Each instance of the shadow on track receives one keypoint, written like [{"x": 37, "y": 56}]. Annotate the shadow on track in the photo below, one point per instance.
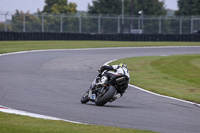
[{"x": 108, "y": 106}]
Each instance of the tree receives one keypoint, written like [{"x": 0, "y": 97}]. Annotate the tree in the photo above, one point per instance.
[
  {"x": 149, "y": 7},
  {"x": 59, "y": 6},
  {"x": 188, "y": 7},
  {"x": 31, "y": 22},
  {"x": 2, "y": 26},
  {"x": 106, "y": 7}
]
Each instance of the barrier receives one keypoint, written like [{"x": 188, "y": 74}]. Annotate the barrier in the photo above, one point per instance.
[{"x": 14, "y": 36}]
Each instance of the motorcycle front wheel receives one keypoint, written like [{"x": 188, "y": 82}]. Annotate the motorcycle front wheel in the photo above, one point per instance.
[
  {"x": 103, "y": 99},
  {"x": 85, "y": 98}
]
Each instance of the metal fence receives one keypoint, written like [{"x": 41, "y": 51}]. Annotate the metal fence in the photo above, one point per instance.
[{"x": 99, "y": 24}]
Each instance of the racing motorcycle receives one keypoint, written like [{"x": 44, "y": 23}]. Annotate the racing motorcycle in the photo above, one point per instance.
[{"x": 100, "y": 95}]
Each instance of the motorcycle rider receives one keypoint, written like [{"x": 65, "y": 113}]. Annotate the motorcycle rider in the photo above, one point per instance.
[{"x": 113, "y": 70}]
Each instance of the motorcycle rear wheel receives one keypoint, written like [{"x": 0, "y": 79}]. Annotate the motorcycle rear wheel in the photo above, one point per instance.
[{"x": 100, "y": 101}]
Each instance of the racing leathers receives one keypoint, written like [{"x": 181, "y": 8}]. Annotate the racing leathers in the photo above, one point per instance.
[{"x": 109, "y": 70}]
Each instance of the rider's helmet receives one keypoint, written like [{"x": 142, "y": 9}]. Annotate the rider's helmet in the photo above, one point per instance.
[{"x": 123, "y": 65}]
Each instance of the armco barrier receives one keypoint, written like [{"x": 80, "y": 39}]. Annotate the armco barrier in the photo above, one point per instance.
[{"x": 14, "y": 36}]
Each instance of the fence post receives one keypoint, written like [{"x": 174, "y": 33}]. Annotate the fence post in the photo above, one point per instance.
[
  {"x": 119, "y": 23},
  {"x": 24, "y": 23},
  {"x": 61, "y": 23},
  {"x": 191, "y": 24},
  {"x": 80, "y": 24},
  {"x": 99, "y": 24},
  {"x": 160, "y": 25},
  {"x": 142, "y": 23},
  {"x": 6, "y": 21},
  {"x": 181, "y": 24},
  {"x": 123, "y": 15},
  {"x": 138, "y": 22},
  {"x": 42, "y": 22}
]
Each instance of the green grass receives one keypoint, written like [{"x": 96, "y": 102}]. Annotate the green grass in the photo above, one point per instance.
[
  {"x": 10, "y": 123},
  {"x": 13, "y": 46},
  {"x": 177, "y": 76}
]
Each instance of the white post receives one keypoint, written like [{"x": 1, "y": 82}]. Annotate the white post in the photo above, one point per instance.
[
  {"x": 122, "y": 12},
  {"x": 119, "y": 23},
  {"x": 142, "y": 23},
  {"x": 181, "y": 24},
  {"x": 6, "y": 21},
  {"x": 43, "y": 23},
  {"x": 141, "y": 18},
  {"x": 139, "y": 23},
  {"x": 61, "y": 23},
  {"x": 24, "y": 23},
  {"x": 160, "y": 25},
  {"x": 80, "y": 24},
  {"x": 99, "y": 24},
  {"x": 122, "y": 16},
  {"x": 192, "y": 28}
]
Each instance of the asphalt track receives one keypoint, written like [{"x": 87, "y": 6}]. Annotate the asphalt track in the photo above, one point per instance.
[{"x": 52, "y": 83}]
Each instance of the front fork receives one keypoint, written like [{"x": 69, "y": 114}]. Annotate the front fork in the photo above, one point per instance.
[{"x": 92, "y": 92}]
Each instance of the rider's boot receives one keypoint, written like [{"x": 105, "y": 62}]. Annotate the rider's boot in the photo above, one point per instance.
[{"x": 117, "y": 95}]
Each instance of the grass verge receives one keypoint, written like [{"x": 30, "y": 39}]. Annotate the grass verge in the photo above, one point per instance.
[
  {"x": 176, "y": 76},
  {"x": 10, "y": 123},
  {"x": 13, "y": 46}
]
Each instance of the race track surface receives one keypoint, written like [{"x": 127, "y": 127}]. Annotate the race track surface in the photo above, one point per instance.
[{"x": 52, "y": 83}]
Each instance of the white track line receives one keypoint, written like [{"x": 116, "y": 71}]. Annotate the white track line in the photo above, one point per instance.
[
  {"x": 49, "y": 50},
  {"x": 24, "y": 113}
]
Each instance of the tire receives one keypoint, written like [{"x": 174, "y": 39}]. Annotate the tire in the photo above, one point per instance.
[
  {"x": 106, "y": 97},
  {"x": 85, "y": 98}
]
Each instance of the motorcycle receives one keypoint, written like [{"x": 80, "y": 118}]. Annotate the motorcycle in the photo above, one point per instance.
[{"x": 100, "y": 95}]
